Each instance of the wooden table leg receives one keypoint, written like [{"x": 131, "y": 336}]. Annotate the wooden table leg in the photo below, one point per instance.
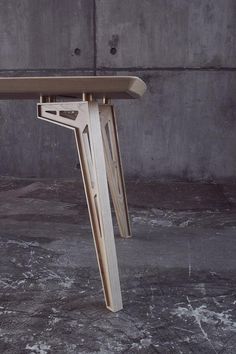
[
  {"x": 85, "y": 121},
  {"x": 114, "y": 168}
]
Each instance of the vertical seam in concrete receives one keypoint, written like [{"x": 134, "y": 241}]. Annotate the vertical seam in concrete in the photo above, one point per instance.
[{"x": 94, "y": 38}]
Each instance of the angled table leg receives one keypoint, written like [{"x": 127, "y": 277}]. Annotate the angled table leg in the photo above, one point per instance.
[
  {"x": 83, "y": 118},
  {"x": 114, "y": 168}
]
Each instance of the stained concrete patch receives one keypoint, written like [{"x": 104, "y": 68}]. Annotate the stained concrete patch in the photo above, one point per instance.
[
  {"x": 165, "y": 33},
  {"x": 178, "y": 196},
  {"x": 178, "y": 272}
]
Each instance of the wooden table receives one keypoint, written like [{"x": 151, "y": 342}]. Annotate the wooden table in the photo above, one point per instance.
[{"x": 95, "y": 129}]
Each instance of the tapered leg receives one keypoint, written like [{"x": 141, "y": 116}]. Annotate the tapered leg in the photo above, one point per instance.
[
  {"x": 84, "y": 118},
  {"x": 114, "y": 168},
  {"x": 91, "y": 152}
]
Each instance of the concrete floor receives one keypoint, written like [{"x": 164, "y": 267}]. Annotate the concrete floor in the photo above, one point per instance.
[{"x": 178, "y": 272}]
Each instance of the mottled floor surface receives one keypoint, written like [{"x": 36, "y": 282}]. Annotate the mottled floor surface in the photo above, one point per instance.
[{"x": 178, "y": 273}]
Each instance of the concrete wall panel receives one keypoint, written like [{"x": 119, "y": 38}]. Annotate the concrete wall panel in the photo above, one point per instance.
[
  {"x": 31, "y": 147},
  {"x": 166, "y": 33},
  {"x": 184, "y": 127},
  {"x": 46, "y": 34}
]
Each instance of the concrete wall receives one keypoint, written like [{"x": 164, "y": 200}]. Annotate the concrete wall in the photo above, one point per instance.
[{"x": 185, "y": 50}]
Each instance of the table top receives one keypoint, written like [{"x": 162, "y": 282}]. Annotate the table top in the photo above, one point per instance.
[{"x": 72, "y": 86}]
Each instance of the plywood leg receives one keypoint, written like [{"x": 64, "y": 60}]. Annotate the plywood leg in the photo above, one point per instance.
[
  {"x": 92, "y": 160},
  {"x": 114, "y": 168},
  {"x": 84, "y": 119}
]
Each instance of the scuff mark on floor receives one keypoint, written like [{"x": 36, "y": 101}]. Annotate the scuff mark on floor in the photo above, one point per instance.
[
  {"x": 38, "y": 348},
  {"x": 203, "y": 316}
]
